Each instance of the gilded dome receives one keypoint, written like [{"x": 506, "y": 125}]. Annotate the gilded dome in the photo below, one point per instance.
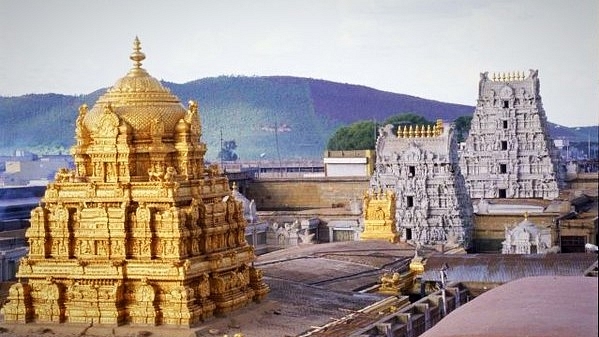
[{"x": 139, "y": 99}]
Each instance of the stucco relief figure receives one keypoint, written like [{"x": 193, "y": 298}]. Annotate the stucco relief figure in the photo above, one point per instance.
[
  {"x": 379, "y": 214},
  {"x": 157, "y": 128},
  {"x": 109, "y": 122},
  {"x": 143, "y": 216},
  {"x": 145, "y": 293},
  {"x": 218, "y": 284},
  {"x": 192, "y": 118},
  {"x": 79, "y": 127},
  {"x": 36, "y": 247},
  {"x": 490, "y": 97},
  {"x": 118, "y": 248},
  {"x": 64, "y": 175},
  {"x": 85, "y": 247},
  {"x": 170, "y": 174},
  {"x": 520, "y": 95},
  {"x": 156, "y": 173},
  {"x": 204, "y": 286}
]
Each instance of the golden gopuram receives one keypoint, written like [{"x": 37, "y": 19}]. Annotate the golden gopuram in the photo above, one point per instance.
[{"x": 141, "y": 232}]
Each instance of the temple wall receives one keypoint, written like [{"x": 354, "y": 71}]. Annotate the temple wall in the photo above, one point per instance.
[
  {"x": 584, "y": 181},
  {"x": 271, "y": 194},
  {"x": 489, "y": 229}
]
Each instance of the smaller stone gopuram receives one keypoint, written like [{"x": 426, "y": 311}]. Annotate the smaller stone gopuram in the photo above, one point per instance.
[
  {"x": 142, "y": 231},
  {"x": 508, "y": 152},
  {"x": 418, "y": 168}
]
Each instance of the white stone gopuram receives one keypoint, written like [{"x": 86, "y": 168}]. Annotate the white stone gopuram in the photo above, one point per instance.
[
  {"x": 420, "y": 164},
  {"x": 508, "y": 153}
]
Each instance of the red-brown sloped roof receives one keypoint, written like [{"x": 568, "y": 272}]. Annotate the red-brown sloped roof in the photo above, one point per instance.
[{"x": 544, "y": 306}]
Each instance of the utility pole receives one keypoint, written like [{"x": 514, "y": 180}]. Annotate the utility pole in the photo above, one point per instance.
[
  {"x": 443, "y": 279},
  {"x": 374, "y": 130},
  {"x": 277, "y": 144},
  {"x": 220, "y": 154}
]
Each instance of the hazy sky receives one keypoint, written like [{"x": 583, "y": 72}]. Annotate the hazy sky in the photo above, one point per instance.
[{"x": 433, "y": 49}]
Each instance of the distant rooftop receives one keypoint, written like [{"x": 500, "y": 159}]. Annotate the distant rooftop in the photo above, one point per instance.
[{"x": 544, "y": 306}]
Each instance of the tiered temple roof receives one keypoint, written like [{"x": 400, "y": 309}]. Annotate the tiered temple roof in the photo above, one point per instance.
[
  {"x": 417, "y": 172},
  {"x": 508, "y": 153},
  {"x": 141, "y": 232}
]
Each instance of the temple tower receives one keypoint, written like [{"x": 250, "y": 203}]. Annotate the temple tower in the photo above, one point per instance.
[
  {"x": 141, "y": 232},
  {"x": 417, "y": 167},
  {"x": 508, "y": 153}
]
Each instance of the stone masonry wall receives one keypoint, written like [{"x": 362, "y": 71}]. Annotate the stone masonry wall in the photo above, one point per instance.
[{"x": 274, "y": 194}]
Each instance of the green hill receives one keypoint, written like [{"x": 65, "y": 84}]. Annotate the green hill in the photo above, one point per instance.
[{"x": 245, "y": 109}]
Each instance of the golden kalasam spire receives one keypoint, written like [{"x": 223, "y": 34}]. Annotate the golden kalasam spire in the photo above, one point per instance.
[{"x": 137, "y": 56}]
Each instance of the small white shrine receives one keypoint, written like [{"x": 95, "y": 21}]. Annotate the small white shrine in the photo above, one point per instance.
[{"x": 527, "y": 238}]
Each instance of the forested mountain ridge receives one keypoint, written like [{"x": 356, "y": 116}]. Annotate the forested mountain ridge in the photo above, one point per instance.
[{"x": 304, "y": 112}]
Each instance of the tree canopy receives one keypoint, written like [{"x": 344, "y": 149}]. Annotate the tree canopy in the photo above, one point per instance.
[
  {"x": 362, "y": 135},
  {"x": 462, "y": 127},
  {"x": 356, "y": 136}
]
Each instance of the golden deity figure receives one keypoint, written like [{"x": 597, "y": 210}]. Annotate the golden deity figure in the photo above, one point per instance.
[{"x": 141, "y": 232}]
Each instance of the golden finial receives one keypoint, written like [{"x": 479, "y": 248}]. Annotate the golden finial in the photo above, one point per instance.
[
  {"x": 137, "y": 56},
  {"x": 429, "y": 131},
  {"x": 193, "y": 106},
  {"x": 525, "y": 215},
  {"x": 439, "y": 127},
  {"x": 411, "y": 131},
  {"x": 399, "y": 131}
]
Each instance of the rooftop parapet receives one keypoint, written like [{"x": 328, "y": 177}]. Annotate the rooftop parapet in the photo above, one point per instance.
[
  {"x": 508, "y": 76},
  {"x": 421, "y": 131}
]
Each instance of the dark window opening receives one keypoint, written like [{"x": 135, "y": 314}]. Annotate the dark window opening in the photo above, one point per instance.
[
  {"x": 502, "y": 193},
  {"x": 412, "y": 170},
  {"x": 410, "y": 201},
  {"x": 502, "y": 168},
  {"x": 506, "y": 104},
  {"x": 573, "y": 244},
  {"x": 505, "y": 124},
  {"x": 408, "y": 233},
  {"x": 504, "y": 145}
]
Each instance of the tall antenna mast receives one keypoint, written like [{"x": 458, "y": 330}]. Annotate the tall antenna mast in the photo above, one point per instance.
[{"x": 277, "y": 144}]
